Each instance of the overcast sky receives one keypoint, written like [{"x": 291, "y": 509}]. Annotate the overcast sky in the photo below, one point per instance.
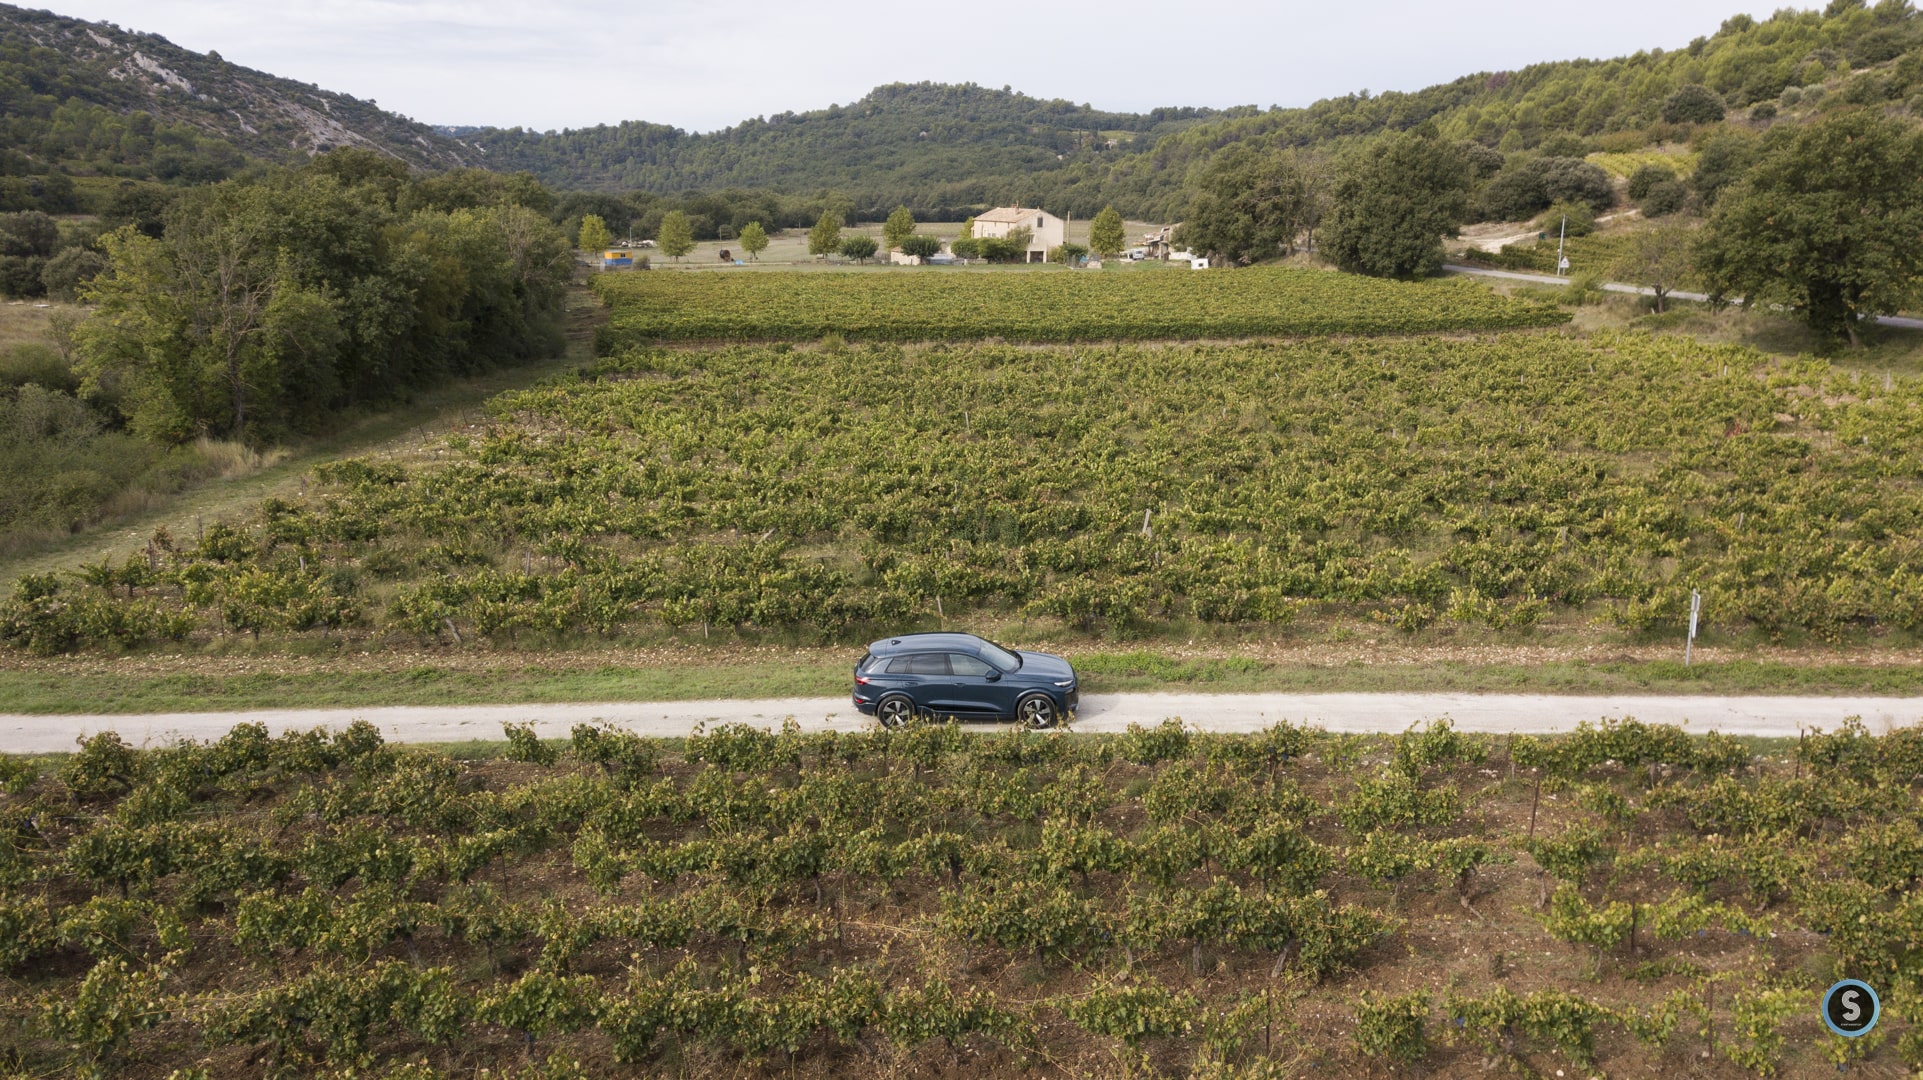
[{"x": 705, "y": 64}]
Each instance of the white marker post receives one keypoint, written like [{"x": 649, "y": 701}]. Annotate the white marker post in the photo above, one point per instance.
[
  {"x": 1562, "y": 263},
  {"x": 1695, "y": 609}
]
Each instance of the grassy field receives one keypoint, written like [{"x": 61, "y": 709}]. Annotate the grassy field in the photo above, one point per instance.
[{"x": 1622, "y": 901}]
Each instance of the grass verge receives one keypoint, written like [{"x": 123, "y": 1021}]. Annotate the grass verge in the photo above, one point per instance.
[{"x": 51, "y": 692}]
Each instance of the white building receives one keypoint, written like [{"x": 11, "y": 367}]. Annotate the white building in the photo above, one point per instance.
[{"x": 1046, "y": 231}]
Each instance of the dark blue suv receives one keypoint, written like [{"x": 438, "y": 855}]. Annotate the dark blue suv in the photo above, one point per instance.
[{"x": 962, "y": 676}]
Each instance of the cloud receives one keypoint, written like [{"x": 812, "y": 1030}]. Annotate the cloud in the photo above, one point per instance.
[{"x": 704, "y": 65}]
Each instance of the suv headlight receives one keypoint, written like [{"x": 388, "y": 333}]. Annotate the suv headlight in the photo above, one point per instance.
[{"x": 1065, "y": 683}]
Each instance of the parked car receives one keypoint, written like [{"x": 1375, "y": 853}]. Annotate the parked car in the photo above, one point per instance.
[{"x": 965, "y": 677}]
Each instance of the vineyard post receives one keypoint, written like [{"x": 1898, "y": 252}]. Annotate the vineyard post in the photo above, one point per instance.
[
  {"x": 1535, "y": 801},
  {"x": 1695, "y": 609}
]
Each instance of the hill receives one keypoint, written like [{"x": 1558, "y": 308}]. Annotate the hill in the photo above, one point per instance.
[
  {"x": 90, "y": 99},
  {"x": 941, "y": 148},
  {"x": 933, "y": 146}
]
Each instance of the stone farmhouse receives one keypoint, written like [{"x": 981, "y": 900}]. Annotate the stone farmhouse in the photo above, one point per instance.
[{"x": 1048, "y": 232}]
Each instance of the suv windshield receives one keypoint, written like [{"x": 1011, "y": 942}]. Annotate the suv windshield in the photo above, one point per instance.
[{"x": 1006, "y": 659}]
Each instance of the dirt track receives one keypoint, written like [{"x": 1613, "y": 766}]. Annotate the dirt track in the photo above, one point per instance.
[{"x": 1498, "y": 713}]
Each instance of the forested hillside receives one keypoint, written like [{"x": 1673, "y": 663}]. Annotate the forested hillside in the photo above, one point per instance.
[
  {"x": 939, "y": 148},
  {"x": 943, "y": 148},
  {"x": 89, "y": 99}
]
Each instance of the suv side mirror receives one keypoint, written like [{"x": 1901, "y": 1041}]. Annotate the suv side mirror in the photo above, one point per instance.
[{"x": 993, "y": 675}]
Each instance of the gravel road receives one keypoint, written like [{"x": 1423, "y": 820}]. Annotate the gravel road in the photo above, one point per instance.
[
  {"x": 1495, "y": 713},
  {"x": 1902, "y": 321}
]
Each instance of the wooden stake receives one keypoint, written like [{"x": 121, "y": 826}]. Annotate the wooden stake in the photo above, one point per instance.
[{"x": 1535, "y": 801}]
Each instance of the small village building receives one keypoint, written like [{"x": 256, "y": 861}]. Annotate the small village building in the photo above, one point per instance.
[
  {"x": 617, "y": 259},
  {"x": 1046, "y": 231}
]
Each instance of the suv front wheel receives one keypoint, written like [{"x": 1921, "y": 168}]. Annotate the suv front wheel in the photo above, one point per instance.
[{"x": 1036, "y": 711}]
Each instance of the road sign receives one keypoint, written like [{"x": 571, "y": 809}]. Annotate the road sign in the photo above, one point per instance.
[{"x": 1851, "y": 1008}]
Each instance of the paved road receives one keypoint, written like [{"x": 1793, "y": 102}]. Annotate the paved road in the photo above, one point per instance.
[
  {"x": 1497, "y": 713},
  {"x": 1634, "y": 290}
]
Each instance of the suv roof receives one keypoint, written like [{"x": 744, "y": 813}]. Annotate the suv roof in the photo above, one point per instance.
[{"x": 918, "y": 642}]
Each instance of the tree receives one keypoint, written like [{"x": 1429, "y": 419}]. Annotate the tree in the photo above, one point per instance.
[
  {"x": 1657, "y": 259},
  {"x": 858, "y": 247},
  {"x": 1106, "y": 235},
  {"x": 1693, "y": 104},
  {"x": 1251, "y": 205},
  {"x": 922, "y": 247},
  {"x": 1721, "y": 161},
  {"x": 825, "y": 237},
  {"x": 1646, "y": 177},
  {"x": 265, "y": 304},
  {"x": 754, "y": 239},
  {"x": 676, "y": 236},
  {"x": 594, "y": 235},
  {"x": 899, "y": 227},
  {"x": 1394, "y": 201},
  {"x": 209, "y": 321},
  {"x": 1826, "y": 223}
]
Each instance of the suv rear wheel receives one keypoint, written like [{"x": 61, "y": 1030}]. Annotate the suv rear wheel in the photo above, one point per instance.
[{"x": 895, "y": 710}]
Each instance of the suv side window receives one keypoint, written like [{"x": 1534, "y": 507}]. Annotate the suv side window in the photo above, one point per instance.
[
  {"x": 919, "y": 664},
  {"x": 962, "y": 664}
]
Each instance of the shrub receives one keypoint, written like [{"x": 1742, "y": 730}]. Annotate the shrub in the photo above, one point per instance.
[
  {"x": 1067, "y": 253},
  {"x": 1577, "y": 218},
  {"x": 23, "y": 275},
  {"x": 65, "y": 273},
  {"x": 1539, "y": 183},
  {"x": 1694, "y": 104},
  {"x": 1648, "y": 176},
  {"x": 1395, "y": 1027},
  {"x": 1763, "y": 110},
  {"x": 37, "y": 364},
  {"x": 1665, "y": 198}
]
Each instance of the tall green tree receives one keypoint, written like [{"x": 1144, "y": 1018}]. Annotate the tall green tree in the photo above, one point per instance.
[
  {"x": 1106, "y": 234},
  {"x": 1829, "y": 223},
  {"x": 594, "y": 235},
  {"x": 264, "y": 305},
  {"x": 1250, "y": 205},
  {"x": 825, "y": 237},
  {"x": 1394, "y": 201},
  {"x": 754, "y": 239},
  {"x": 899, "y": 226},
  {"x": 207, "y": 329},
  {"x": 676, "y": 236}
]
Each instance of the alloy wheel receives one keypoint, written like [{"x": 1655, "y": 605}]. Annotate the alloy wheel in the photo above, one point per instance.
[
  {"x": 895, "y": 711},
  {"x": 1036, "y": 712}
]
